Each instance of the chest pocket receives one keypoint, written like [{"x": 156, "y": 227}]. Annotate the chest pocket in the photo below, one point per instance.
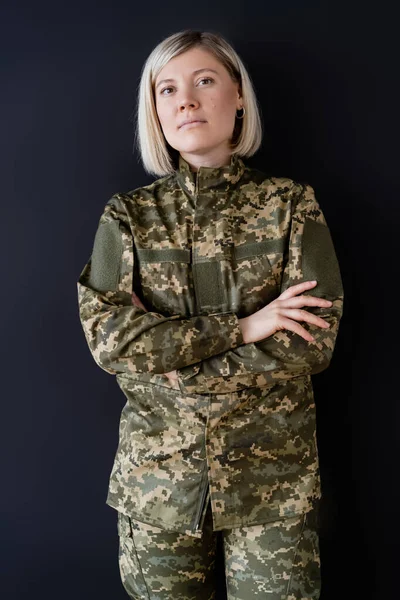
[
  {"x": 257, "y": 271},
  {"x": 241, "y": 281},
  {"x": 166, "y": 280},
  {"x": 214, "y": 285}
]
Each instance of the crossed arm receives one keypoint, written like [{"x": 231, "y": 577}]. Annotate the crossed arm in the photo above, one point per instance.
[{"x": 203, "y": 351}]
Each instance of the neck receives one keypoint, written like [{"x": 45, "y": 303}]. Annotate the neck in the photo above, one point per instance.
[{"x": 218, "y": 157}]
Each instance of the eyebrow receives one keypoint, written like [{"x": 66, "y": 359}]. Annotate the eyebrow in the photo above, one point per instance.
[{"x": 194, "y": 73}]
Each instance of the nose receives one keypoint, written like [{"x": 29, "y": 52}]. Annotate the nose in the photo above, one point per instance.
[
  {"x": 188, "y": 102},
  {"x": 186, "y": 105}
]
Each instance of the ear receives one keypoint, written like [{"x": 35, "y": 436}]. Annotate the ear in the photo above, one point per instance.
[{"x": 239, "y": 98}]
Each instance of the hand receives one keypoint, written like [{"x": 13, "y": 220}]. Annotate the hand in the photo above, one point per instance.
[{"x": 283, "y": 313}]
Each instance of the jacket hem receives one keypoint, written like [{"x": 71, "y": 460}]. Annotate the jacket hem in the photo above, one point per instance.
[
  {"x": 232, "y": 524},
  {"x": 238, "y": 522},
  {"x": 154, "y": 522}
]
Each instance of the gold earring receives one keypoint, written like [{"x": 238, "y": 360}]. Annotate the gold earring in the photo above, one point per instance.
[{"x": 243, "y": 113}]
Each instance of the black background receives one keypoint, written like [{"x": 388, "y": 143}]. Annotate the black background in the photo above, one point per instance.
[{"x": 325, "y": 74}]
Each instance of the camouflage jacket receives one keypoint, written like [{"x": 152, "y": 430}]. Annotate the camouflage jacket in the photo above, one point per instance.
[{"x": 174, "y": 265}]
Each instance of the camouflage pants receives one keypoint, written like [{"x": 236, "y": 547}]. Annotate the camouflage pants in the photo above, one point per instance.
[{"x": 275, "y": 561}]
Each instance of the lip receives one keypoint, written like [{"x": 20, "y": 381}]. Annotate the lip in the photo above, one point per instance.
[{"x": 191, "y": 122}]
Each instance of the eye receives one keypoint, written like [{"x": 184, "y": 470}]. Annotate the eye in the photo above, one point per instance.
[
  {"x": 170, "y": 88},
  {"x": 164, "y": 89},
  {"x": 206, "y": 79}
]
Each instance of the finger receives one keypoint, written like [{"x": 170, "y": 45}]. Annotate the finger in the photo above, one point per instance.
[
  {"x": 303, "y": 315},
  {"x": 298, "y": 301},
  {"x": 293, "y": 290},
  {"x": 172, "y": 375},
  {"x": 137, "y": 302},
  {"x": 297, "y": 328}
]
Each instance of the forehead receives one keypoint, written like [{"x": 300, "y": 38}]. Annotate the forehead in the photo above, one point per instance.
[{"x": 188, "y": 62}]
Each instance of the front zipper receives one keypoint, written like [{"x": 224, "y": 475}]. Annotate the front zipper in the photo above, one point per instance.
[
  {"x": 204, "y": 492},
  {"x": 196, "y": 187},
  {"x": 194, "y": 244},
  {"x": 201, "y": 507}
]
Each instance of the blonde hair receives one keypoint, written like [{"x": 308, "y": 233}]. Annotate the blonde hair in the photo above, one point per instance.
[{"x": 155, "y": 152}]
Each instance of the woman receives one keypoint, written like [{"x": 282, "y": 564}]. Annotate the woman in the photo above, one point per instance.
[{"x": 213, "y": 294}]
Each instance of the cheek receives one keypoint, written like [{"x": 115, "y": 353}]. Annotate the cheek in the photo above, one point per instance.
[
  {"x": 224, "y": 104},
  {"x": 163, "y": 117},
  {"x": 160, "y": 112},
  {"x": 214, "y": 102},
  {"x": 223, "y": 112}
]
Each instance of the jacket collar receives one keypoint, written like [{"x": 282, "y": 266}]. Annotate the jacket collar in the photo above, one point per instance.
[{"x": 209, "y": 177}]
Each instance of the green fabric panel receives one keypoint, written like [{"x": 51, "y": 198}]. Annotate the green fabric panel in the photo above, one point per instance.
[
  {"x": 256, "y": 248},
  {"x": 207, "y": 279},
  {"x": 106, "y": 258},
  {"x": 319, "y": 259},
  {"x": 164, "y": 255}
]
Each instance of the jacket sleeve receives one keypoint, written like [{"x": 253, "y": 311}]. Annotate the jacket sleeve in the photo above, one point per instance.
[
  {"x": 309, "y": 255},
  {"x": 122, "y": 336}
]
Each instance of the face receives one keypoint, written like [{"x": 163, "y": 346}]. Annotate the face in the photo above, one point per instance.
[{"x": 196, "y": 86}]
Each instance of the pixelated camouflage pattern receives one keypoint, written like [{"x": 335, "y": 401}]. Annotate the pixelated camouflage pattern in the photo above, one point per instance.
[
  {"x": 186, "y": 257},
  {"x": 277, "y": 560}
]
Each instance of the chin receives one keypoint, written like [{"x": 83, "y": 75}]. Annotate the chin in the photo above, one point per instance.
[
  {"x": 196, "y": 146},
  {"x": 193, "y": 149}
]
